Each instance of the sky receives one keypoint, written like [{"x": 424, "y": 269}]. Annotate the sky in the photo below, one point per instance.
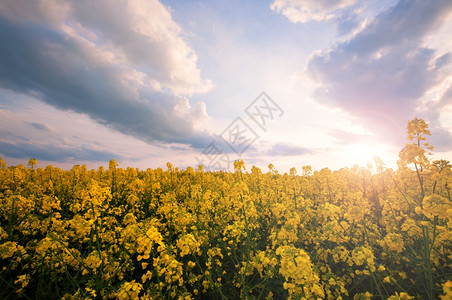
[{"x": 289, "y": 82}]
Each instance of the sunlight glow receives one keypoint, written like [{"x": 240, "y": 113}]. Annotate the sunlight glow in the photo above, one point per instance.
[{"x": 363, "y": 154}]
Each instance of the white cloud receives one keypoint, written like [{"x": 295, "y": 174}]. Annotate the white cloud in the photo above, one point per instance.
[
  {"x": 137, "y": 32},
  {"x": 125, "y": 65},
  {"x": 381, "y": 75},
  {"x": 306, "y": 10}
]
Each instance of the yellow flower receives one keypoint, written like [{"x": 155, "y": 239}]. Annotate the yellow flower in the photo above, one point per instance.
[
  {"x": 23, "y": 280},
  {"x": 447, "y": 288},
  {"x": 363, "y": 296},
  {"x": 401, "y": 296},
  {"x": 91, "y": 292},
  {"x": 191, "y": 264}
]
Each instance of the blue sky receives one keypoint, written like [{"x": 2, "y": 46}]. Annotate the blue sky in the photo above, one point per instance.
[{"x": 147, "y": 82}]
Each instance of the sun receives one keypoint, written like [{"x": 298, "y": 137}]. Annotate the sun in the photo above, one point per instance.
[{"x": 362, "y": 154}]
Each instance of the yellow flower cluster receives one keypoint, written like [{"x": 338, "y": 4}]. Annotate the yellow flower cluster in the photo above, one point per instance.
[
  {"x": 129, "y": 290},
  {"x": 364, "y": 256},
  {"x": 188, "y": 245},
  {"x": 300, "y": 278},
  {"x": 447, "y": 287}
]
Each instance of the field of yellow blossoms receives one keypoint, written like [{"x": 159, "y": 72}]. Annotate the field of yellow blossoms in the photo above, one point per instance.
[{"x": 359, "y": 233}]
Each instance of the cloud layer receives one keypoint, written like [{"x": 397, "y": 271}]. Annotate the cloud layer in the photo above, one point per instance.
[
  {"x": 381, "y": 74},
  {"x": 54, "y": 152},
  {"x": 124, "y": 65}
]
